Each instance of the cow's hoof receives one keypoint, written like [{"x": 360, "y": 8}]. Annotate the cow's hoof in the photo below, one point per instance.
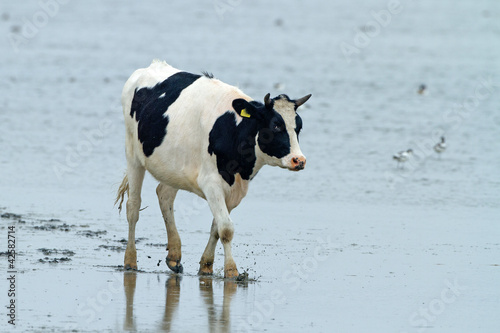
[
  {"x": 206, "y": 269},
  {"x": 243, "y": 277},
  {"x": 231, "y": 273},
  {"x": 129, "y": 267},
  {"x": 175, "y": 265}
]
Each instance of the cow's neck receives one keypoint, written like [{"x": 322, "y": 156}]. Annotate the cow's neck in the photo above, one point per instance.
[{"x": 260, "y": 159}]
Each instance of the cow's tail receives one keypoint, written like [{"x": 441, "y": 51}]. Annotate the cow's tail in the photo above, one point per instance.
[{"x": 120, "y": 196}]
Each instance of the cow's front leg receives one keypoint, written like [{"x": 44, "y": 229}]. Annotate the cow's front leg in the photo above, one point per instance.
[
  {"x": 166, "y": 197},
  {"x": 225, "y": 229}
]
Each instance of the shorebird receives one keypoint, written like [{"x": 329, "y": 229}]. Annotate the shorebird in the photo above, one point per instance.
[
  {"x": 403, "y": 156},
  {"x": 440, "y": 146},
  {"x": 421, "y": 89}
]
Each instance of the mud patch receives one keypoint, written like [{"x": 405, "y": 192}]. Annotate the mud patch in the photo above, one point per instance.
[
  {"x": 10, "y": 216},
  {"x": 111, "y": 248},
  {"x": 120, "y": 268},
  {"x": 51, "y": 220},
  {"x": 54, "y": 227},
  {"x": 48, "y": 260},
  {"x": 92, "y": 234},
  {"x": 52, "y": 224},
  {"x": 137, "y": 240},
  {"x": 49, "y": 252},
  {"x": 13, "y": 217},
  {"x": 156, "y": 244}
]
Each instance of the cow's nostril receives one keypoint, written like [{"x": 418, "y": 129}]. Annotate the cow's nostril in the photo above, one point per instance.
[{"x": 295, "y": 160}]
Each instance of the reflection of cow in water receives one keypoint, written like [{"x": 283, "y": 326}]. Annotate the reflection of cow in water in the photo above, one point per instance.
[
  {"x": 216, "y": 322},
  {"x": 198, "y": 134}
]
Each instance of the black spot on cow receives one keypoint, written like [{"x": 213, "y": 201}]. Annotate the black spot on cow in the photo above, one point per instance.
[
  {"x": 298, "y": 125},
  {"x": 234, "y": 145},
  {"x": 273, "y": 137},
  {"x": 150, "y": 104}
]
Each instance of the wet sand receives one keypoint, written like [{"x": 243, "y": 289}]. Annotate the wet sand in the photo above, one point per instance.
[{"x": 353, "y": 274}]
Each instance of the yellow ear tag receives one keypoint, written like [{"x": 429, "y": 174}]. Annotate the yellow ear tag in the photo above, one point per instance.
[{"x": 244, "y": 113}]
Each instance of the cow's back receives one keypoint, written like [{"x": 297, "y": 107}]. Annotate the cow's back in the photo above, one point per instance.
[{"x": 177, "y": 157}]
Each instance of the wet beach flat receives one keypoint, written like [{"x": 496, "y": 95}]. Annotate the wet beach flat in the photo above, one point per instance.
[{"x": 379, "y": 269}]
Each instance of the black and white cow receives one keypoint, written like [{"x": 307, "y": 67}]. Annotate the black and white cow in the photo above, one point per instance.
[{"x": 195, "y": 133}]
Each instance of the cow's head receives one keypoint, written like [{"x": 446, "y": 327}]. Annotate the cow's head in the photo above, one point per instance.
[{"x": 279, "y": 126}]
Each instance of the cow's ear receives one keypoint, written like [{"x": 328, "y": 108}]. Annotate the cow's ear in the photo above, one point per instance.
[{"x": 243, "y": 108}]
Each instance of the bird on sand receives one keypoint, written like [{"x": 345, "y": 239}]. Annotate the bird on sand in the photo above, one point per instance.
[
  {"x": 440, "y": 146},
  {"x": 403, "y": 156},
  {"x": 421, "y": 89}
]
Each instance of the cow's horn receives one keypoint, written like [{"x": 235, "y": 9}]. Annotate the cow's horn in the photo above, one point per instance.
[
  {"x": 267, "y": 102},
  {"x": 302, "y": 100}
]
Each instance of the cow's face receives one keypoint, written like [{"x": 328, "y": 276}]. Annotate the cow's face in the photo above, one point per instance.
[{"x": 279, "y": 127}]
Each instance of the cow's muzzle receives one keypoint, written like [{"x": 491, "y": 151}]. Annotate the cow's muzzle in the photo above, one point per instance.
[{"x": 297, "y": 163}]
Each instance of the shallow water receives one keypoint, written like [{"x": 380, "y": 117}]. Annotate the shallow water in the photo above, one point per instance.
[
  {"x": 350, "y": 244},
  {"x": 353, "y": 274}
]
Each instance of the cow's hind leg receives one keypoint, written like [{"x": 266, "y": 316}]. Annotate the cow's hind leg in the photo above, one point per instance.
[
  {"x": 166, "y": 196},
  {"x": 207, "y": 259},
  {"x": 135, "y": 175}
]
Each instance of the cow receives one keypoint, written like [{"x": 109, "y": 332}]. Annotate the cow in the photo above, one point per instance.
[{"x": 195, "y": 133}]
